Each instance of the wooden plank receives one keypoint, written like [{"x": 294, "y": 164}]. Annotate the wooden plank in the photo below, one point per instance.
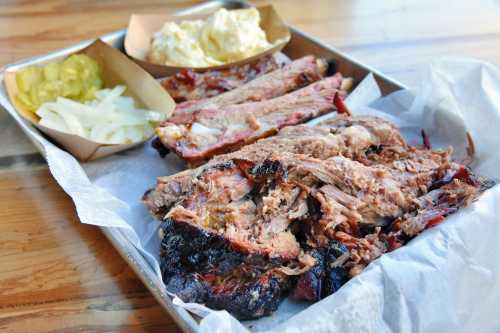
[{"x": 60, "y": 275}]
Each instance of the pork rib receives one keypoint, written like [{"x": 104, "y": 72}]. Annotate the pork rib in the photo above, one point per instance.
[
  {"x": 214, "y": 131},
  {"x": 297, "y": 74},
  {"x": 188, "y": 85}
]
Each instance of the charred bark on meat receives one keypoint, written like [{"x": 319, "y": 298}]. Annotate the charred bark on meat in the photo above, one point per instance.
[
  {"x": 199, "y": 266},
  {"x": 252, "y": 298},
  {"x": 188, "y": 249},
  {"x": 338, "y": 197},
  {"x": 326, "y": 276},
  {"x": 159, "y": 147}
]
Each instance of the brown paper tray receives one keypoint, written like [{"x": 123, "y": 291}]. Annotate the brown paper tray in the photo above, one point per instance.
[
  {"x": 142, "y": 27},
  {"x": 117, "y": 69}
]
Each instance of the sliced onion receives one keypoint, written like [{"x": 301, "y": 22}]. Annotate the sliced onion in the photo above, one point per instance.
[{"x": 110, "y": 118}]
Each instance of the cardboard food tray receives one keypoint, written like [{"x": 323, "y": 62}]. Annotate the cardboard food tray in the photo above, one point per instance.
[
  {"x": 300, "y": 44},
  {"x": 117, "y": 69},
  {"x": 142, "y": 28}
]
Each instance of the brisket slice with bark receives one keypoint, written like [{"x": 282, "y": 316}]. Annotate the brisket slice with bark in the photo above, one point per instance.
[
  {"x": 211, "y": 132},
  {"x": 297, "y": 74},
  {"x": 222, "y": 248},
  {"x": 246, "y": 228},
  {"x": 188, "y": 85},
  {"x": 201, "y": 267}
]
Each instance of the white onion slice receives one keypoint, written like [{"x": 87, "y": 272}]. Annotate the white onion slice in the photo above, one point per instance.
[{"x": 110, "y": 118}]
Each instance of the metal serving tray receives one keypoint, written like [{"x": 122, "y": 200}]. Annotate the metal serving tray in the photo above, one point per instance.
[{"x": 300, "y": 44}]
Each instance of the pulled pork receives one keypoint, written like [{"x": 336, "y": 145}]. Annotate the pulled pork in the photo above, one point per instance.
[{"x": 302, "y": 211}]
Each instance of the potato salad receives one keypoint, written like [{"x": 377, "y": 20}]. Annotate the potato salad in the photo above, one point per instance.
[{"x": 225, "y": 36}]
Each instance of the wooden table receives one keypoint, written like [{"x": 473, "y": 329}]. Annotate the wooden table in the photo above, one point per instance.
[{"x": 57, "y": 275}]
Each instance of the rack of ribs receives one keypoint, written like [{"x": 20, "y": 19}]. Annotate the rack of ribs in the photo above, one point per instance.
[
  {"x": 188, "y": 85},
  {"x": 212, "y": 131},
  {"x": 297, "y": 74}
]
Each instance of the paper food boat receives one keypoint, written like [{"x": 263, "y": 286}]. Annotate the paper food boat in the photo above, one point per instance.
[
  {"x": 142, "y": 27},
  {"x": 117, "y": 68}
]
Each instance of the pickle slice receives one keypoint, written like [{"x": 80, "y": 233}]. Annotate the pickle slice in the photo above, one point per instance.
[
  {"x": 48, "y": 91},
  {"x": 77, "y": 77},
  {"x": 51, "y": 71},
  {"x": 28, "y": 78},
  {"x": 25, "y": 101},
  {"x": 69, "y": 70}
]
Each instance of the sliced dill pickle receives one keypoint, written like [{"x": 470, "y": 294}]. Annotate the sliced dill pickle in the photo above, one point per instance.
[
  {"x": 87, "y": 63},
  {"x": 28, "y": 77},
  {"x": 89, "y": 94},
  {"x": 35, "y": 99},
  {"x": 94, "y": 81},
  {"x": 77, "y": 77},
  {"x": 25, "y": 101},
  {"x": 72, "y": 89},
  {"x": 48, "y": 91},
  {"x": 51, "y": 71},
  {"x": 69, "y": 70}
]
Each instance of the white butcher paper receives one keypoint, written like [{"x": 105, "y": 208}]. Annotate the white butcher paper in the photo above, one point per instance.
[{"x": 445, "y": 280}]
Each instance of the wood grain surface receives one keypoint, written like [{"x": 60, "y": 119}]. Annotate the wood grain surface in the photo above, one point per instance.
[{"x": 57, "y": 275}]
